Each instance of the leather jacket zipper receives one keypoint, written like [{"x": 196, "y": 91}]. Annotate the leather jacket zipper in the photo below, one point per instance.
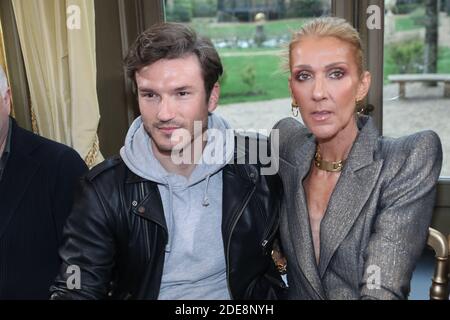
[
  {"x": 147, "y": 242},
  {"x": 159, "y": 224},
  {"x": 146, "y": 227},
  {"x": 238, "y": 215},
  {"x": 270, "y": 232}
]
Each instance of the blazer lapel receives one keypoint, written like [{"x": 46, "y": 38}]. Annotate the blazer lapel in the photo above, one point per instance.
[
  {"x": 297, "y": 217},
  {"x": 354, "y": 187},
  {"x": 18, "y": 174}
]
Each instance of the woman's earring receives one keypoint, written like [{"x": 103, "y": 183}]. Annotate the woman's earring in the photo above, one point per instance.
[
  {"x": 295, "y": 108},
  {"x": 359, "y": 108}
]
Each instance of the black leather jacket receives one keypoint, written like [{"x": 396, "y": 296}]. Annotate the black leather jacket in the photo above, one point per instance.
[{"x": 116, "y": 235}]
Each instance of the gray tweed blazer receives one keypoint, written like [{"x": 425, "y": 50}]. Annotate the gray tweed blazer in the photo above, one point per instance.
[{"x": 376, "y": 223}]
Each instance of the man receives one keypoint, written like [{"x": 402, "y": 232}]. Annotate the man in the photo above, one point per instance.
[
  {"x": 164, "y": 221},
  {"x": 37, "y": 178}
]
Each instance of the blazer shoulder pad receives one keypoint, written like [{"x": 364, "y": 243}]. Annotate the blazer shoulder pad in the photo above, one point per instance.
[{"x": 417, "y": 143}]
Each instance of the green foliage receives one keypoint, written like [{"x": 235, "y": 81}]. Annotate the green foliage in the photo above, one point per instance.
[
  {"x": 415, "y": 20},
  {"x": 391, "y": 67},
  {"x": 269, "y": 82},
  {"x": 223, "y": 79},
  {"x": 204, "y": 8},
  {"x": 444, "y": 60},
  {"x": 405, "y": 8},
  {"x": 274, "y": 28},
  {"x": 305, "y": 8},
  {"x": 408, "y": 56},
  {"x": 180, "y": 12},
  {"x": 248, "y": 77}
]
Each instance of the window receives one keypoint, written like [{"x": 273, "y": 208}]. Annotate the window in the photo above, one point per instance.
[
  {"x": 399, "y": 46},
  {"x": 417, "y": 42},
  {"x": 249, "y": 36}
]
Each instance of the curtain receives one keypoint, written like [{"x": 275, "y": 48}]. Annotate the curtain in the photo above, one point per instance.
[
  {"x": 2, "y": 51},
  {"x": 57, "y": 38}
]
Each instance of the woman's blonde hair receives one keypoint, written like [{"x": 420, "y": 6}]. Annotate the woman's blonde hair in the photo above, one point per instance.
[{"x": 331, "y": 27}]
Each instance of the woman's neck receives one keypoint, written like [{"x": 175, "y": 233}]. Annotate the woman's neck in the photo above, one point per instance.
[{"x": 338, "y": 147}]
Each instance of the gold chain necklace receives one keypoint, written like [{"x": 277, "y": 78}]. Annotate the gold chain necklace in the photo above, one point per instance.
[{"x": 330, "y": 166}]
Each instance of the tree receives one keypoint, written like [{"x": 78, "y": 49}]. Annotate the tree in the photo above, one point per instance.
[
  {"x": 220, "y": 5},
  {"x": 306, "y": 8},
  {"x": 431, "y": 36},
  {"x": 179, "y": 10},
  {"x": 281, "y": 9}
]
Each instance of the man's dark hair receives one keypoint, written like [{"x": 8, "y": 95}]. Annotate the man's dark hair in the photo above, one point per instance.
[{"x": 172, "y": 41}]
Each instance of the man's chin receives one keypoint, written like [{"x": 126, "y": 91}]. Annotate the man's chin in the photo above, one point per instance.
[{"x": 169, "y": 148}]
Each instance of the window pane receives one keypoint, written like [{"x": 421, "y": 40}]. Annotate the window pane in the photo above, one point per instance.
[
  {"x": 249, "y": 36},
  {"x": 417, "y": 50}
]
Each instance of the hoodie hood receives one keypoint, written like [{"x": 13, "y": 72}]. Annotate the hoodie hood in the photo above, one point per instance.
[
  {"x": 138, "y": 156},
  {"x": 137, "y": 153}
]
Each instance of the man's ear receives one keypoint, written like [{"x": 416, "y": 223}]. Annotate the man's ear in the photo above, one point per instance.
[
  {"x": 364, "y": 86},
  {"x": 213, "y": 101},
  {"x": 7, "y": 101}
]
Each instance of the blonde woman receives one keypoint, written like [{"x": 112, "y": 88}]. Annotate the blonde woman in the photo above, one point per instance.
[{"x": 357, "y": 206}]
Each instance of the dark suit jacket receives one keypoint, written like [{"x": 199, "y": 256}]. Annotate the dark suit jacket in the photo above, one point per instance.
[
  {"x": 35, "y": 199},
  {"x": 376, "y": 223}
]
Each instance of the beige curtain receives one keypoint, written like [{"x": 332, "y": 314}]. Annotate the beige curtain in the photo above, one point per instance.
[
  {"x": 61, "y": 69},
  {"x": 2, "y": 51}
]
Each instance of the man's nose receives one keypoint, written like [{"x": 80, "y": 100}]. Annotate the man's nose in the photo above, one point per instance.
[{"x": 166, "y": 110}]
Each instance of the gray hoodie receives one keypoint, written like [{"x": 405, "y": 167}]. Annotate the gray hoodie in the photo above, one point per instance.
[{"x": 194, "y": 266}]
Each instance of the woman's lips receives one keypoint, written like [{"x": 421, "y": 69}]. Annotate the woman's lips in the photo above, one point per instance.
[{"x": 321, "y": 115}]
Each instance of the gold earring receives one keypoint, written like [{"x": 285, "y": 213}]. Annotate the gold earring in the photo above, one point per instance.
[
  {"x": 359, "y": 108},
  {"x": 295, "y": 108}
]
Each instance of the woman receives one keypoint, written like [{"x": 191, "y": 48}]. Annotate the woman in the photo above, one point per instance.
[{"x": 357, "y": 206}]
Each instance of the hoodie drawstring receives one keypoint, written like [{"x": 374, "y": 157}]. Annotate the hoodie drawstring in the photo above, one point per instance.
[
  {"x": 170, "y": 219},
  {"x": 205, "y": 202}
]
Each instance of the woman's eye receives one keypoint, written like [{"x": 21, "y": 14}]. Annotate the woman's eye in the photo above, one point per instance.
[
  {"x": 302, "y": 76},
  {"x": 336, "y": 74}
]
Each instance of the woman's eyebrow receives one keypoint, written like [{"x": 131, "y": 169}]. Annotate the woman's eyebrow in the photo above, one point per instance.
[
  {"x": 331, "y": 65},
  {"x": 334, "y": 64}
]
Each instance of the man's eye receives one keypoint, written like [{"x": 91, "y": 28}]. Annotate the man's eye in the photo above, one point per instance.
[
  {"x": 302, "y": 76},
  {"x": 148, "y": 95},
  {"x": 183, "y": 93},
  {"x": 336, "y": 74}
]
